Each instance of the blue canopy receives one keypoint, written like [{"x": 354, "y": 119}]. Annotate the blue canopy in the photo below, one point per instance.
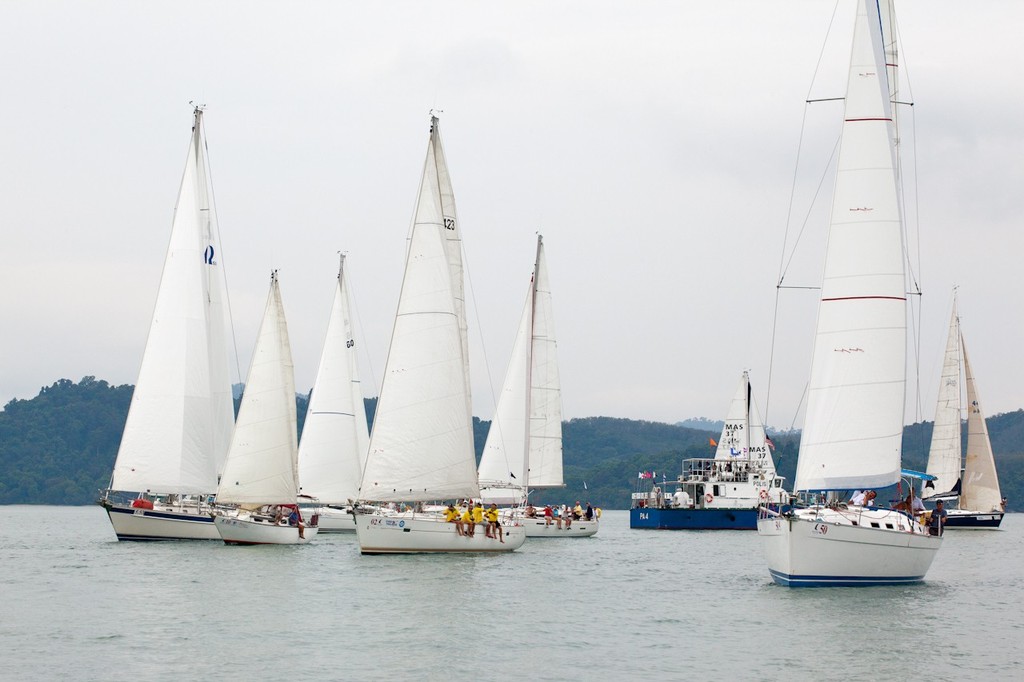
[{"x": 917, "y": 474}]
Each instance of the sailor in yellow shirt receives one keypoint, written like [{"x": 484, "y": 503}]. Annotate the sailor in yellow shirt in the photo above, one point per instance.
[
  {"x": 451, "y": 515},
  {"x": 494, "y": 529},
  {"x": 467, "y": 522},
  {"x": 478, "y": 516}
]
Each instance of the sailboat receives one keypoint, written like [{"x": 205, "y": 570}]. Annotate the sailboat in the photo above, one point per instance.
[
  {"x": 260, "y": 478},
  {"x": 977, "y": 490},
  {"x": 524, "y": 443},
  {"x": 181, "y": 415},
  {"x": 853, "y": 426},
  {"x": 421, "y": 446},
  {"x": 720, "y": 493},
  {"x": 335, "y": 436}
]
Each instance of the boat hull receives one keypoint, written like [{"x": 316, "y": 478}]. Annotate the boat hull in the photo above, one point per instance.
[
  {"x": 182, "y": 523},
  {"x": 812, "y": 551},
  {"x": 693, "y": 519},
  {"x": 537, "y": 528},
  {"x": 243, "y": 530},
  {"x": 424, "y": 534},
  {"x": 334, "y": 520},
  {"x": 972, "y": 519}
]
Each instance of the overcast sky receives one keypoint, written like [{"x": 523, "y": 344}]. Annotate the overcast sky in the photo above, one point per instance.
[{"x": 654, "y": 144}]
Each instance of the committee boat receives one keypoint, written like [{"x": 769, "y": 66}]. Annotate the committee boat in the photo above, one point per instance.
[
  {"x": 421, "y": 446},
  {"x": 258, "y": 493},
  {"x": 720, "y": 493},
  {"x": 523, "y": 450},
  {"x": 971, "y": 484},
  {"x": 853, "y": 426},
  {"x": 335, "y": 436},
  {"x": 181, "y": 415}
]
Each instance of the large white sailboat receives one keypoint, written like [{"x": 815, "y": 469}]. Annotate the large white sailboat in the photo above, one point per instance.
[
  {"x": 523, "y": 450},
  {"x": 980, "y": 504},
  {"x": 335, "y": 436},
  {"x": 854, "y": 422},
  {"x": 181, "y": 415},
  {"x": 260, "y": 479},
  {"x": 421, "y": 447}
]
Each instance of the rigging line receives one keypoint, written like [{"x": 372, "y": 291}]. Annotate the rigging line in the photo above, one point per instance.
[
  {"x": 479, "y": 327},
  {"x": 810, "y": 207},
  {"x": 223, "y": 260}
]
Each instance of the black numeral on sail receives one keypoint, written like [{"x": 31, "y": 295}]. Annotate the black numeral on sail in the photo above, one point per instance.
[{"x": 449, "y": 223}]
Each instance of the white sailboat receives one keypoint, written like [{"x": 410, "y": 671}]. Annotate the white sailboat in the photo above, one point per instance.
[
  {"x": 523, "y": 450},
  {"x": 181, "y": 415},
  {"x": 335, "y": 436},
  {"x": 421, "y": 447},
  {"x": 260, "y": 476},
  {"x": 977, "y": 490},
  {"x": 854, "y": 423}
]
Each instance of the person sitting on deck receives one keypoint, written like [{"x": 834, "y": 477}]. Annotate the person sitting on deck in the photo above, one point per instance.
[
  {"x": 467, "y": 521},
  {"x": 451, "y": 515},
  {"x": 295, "y": 520},
  {"x": 494, "y": 529},
  {"x": 589, "y": 513},
  {"x": 567, "y": 517},
  {"x": 549, "y": 516},
  {"x": 577, "y": 511},
  {"x": 478, "y": 516},
  {"x": 531, "y": 511}
]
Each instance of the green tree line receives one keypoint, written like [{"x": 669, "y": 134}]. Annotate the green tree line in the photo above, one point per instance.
[{"x": 59, "y": 448}]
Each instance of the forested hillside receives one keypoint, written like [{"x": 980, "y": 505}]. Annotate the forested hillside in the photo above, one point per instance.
[{"x": 59, "y": 448}]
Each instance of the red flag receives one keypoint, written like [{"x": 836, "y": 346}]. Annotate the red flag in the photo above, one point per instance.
[
  {"x": 711, "y": 441},
  {"x": 768, "y": 442}
]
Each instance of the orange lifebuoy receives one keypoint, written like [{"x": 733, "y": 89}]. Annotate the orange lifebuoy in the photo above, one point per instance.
[{"x": 709, "y": 498}]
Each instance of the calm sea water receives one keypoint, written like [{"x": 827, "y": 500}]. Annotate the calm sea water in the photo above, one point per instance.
[{"x": 652, "y": 605}]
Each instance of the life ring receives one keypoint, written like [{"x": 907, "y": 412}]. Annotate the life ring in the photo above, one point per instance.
[
  {"x": 709, "y": 498},
  {"x": 764, "y": 493}
]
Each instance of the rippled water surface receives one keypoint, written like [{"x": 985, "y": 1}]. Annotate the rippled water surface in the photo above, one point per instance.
[{"x": 652, "y": 605}]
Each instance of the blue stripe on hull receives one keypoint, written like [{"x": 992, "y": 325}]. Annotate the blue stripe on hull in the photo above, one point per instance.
[
  {"x": 787, "y": 580},
  {"x": 693, "y": 519}
]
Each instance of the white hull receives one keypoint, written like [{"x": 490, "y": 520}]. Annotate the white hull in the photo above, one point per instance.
[
  {"x": 821, "y": 547},
  {"x": 333, "y": 520},
  {"x": 161, "y": 523},
  {"x": 537, "y": 528},
  {"x": 416, "y": 534},
  {"x": 248, "y": 530}
]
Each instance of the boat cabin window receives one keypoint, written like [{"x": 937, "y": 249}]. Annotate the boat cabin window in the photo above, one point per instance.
[{"x": 874, "y": 524}]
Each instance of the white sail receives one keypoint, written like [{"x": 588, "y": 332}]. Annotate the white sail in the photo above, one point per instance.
[
  {"x": 854, "y": 422},
  {"x": 421, "y": 446},
  {"x": 944, "y": 455},
  {"x": 179, "y": 423},
  {"x": 545, "y": 387},
  {"x": 452, "y": 239},
  {"x": 980, "y": 483},
  {"x": 335, "y": 437},
  {"x": 505, "y": 458},
  {"x": 743, "y": 434},
  {"x": 261, "y": 466},
  {"x": 524, "y": 443}
]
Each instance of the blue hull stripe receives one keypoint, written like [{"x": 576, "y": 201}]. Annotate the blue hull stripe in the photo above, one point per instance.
[{"x": 787, "y": 580}]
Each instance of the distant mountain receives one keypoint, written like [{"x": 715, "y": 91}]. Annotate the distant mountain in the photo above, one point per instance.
[
  {"x": 702, "y": 424},
  {"x": 59, "y": 448}
]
